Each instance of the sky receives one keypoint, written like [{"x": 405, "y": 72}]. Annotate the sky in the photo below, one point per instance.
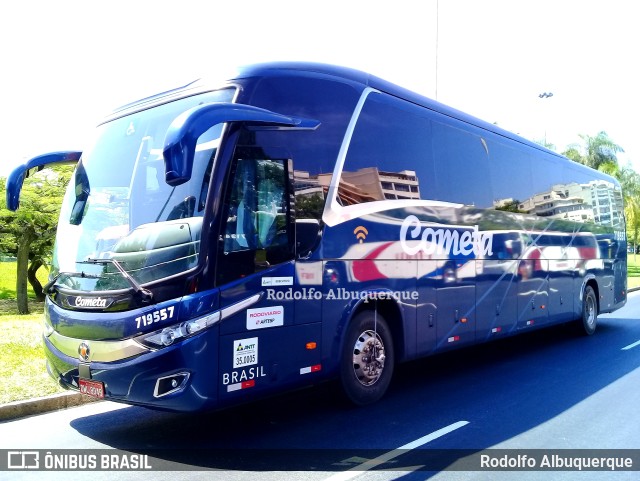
[{"x": 67, "y": 64}]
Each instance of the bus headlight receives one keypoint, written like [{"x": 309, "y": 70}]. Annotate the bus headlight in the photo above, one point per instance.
[{"x": 168, "y": 335}]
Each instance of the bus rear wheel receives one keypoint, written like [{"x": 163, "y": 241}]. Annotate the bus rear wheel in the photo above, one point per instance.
[
  {"x": 367, "y": 361},
  {"x": 589, "y": 320}
]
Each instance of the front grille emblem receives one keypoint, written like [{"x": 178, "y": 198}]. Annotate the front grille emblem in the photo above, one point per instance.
[{"x": 84, "y": 351}]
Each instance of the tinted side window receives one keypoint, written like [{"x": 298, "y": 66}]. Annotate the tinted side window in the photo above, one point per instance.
[
  {"x": 390, "y": 154},
  {"x": 314, "y": 152},
  {"x": 511, "y": 177},
  {"x": 462, "y": 166},
  {"x": 398, "y": 152}
]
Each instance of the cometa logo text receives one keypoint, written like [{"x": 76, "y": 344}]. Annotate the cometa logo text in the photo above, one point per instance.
[
  {"x": 461, "y": 241},
  {"x": 94, "y": 302}
]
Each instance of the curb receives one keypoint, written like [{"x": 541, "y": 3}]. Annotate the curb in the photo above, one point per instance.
[{"x": 19, "y": 409}]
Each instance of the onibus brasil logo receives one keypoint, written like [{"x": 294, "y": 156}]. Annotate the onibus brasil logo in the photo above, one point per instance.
[{"x": 462, "y": 241}]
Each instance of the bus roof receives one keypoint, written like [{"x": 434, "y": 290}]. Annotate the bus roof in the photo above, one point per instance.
[{"x": 350, "y": 75}]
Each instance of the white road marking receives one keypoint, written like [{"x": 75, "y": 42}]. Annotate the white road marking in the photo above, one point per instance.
[
  {"x": 631, "y": 346},
  {"x": 372, "y": 463}
]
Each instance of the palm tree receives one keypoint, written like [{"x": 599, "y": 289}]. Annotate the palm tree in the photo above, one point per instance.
[
  {"x": 632, "y": 216},
  {"x": 599, "y": 149},
  {"x": 599, "y": 152},
  {"x": 630, "y": 182}
]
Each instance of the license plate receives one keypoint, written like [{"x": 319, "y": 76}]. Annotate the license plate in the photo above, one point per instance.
[{"x": 91, "y": 388}]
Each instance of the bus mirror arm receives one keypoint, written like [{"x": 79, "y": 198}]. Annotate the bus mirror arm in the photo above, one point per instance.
[
  {"x": 36, "y": 164},
  {"x": 182, "y": 135}
]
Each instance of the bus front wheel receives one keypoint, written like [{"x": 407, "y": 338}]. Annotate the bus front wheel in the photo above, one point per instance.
[
  {"x": 367, "y": 361},
  {"x": 589, "y": 320}
]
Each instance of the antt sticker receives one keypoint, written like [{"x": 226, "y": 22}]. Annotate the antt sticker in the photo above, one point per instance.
[{"x": 245, "y": 352}]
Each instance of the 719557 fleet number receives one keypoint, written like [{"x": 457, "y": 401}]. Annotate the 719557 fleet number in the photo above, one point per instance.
[{"x": 155, "y": 316}]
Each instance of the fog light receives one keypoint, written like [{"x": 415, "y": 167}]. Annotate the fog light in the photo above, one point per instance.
[{"x": 171, "y": 384}]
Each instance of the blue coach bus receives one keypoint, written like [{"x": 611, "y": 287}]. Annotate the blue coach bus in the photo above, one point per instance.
[{"x": 300, "y": 222}]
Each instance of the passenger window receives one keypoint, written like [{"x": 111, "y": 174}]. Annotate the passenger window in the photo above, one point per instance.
[
  {"x": 462, "y": 165},
  {"x": 389, "y": 157},
  {"x": 398, "y": 152},
  {"x": 511, "y": 178}
]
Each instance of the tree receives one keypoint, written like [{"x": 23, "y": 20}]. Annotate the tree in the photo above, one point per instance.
[
  {"x": 611, "y": 168},
  {"x": 309, "y": 206},
  {"x": 597, "y": 150},
  {"x": 600, "y": 152},
  {"x": 545, "y": 144},
  {"x": 632, "y": 215},
  {"x": 510, "y": 206},
  {"x": 29, "y": 232},
  {"x": 574, "y": 154},
  {"x": 630, "y": 182}
]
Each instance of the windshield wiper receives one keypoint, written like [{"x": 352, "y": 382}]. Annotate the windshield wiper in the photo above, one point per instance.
[
  {"x": 49, "y": 287},
  {"x": 145, "y": 294}
]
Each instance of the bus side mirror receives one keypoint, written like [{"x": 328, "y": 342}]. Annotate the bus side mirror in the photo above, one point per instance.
[
  {"x": 307, "y": 236},
  {"x": 36, "y": 164},
  {"x": 182, "y": 135}
]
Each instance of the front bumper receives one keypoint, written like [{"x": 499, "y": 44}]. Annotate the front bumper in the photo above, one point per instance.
[{"x": 180, "y": 377}]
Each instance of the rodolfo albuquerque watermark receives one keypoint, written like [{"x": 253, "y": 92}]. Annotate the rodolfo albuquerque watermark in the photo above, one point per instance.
[
  {"x": 339, "y": 294},
  {"x": 558, "y": 460}
]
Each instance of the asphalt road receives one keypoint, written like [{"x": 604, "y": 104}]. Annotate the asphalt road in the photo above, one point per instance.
[{"x": 547, "y": 390}]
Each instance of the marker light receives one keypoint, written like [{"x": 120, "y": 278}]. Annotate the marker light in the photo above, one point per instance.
[
  {"x": 168, "y": 335},
  {"x": 48, "y": 328}
]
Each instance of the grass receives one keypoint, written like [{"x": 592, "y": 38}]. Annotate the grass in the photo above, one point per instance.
[
  {"x": 633, "y": 271},
  {"x": 22, "y": 365},
  {"x": 8, "y": 280}
]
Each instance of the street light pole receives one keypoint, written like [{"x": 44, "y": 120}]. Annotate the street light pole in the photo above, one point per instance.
[
  {"x": 545, "y": 95},
  {"x": 437, "y": 40}
]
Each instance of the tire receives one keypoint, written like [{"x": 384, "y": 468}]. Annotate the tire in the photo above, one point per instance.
[
  {"x": 365, "y": 377},
  {"x": 588, "y": 322}
]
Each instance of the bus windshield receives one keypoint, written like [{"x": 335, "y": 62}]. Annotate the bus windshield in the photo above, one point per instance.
[{"x": 118, "y": 206}]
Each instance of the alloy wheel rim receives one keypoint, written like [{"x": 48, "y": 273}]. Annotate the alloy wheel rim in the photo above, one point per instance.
[{"x": 368, "y": 358}]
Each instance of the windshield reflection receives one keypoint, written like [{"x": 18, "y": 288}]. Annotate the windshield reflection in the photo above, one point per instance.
[{"x": 118, "y": 205}]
